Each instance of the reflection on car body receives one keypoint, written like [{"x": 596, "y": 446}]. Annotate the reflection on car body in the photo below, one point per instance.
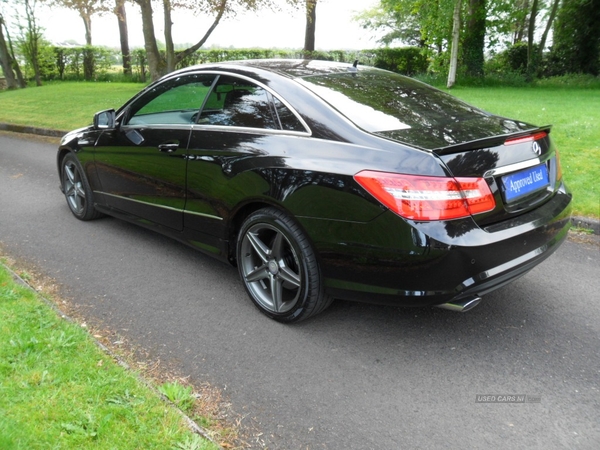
[{"x": 320, "y": 182}]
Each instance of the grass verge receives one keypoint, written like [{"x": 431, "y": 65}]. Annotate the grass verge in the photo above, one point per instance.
[{"x": 59, "y": 390}]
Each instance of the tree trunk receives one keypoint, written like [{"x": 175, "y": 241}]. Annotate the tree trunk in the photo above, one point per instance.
[
  {"x": 155, "y": 63},
  {"x": 124, "y": 37},
  {"x": 6, "y": 60},
  {"x": 474, "y": 40},
  {"x": 553, "y": 12},
  {"x": 531, "y": 55},
  {"x": 170, "y": 48},
  {"x": 33, "y": 40},
  {"x": 455, "y": 41},
  {"x": 521, "y": 24},
  {"x": 311, "y": 25},
  {"x": 15, "y": 64},
  {"x": 87, "y": 23},
  {"x": 36, "y": 70}
]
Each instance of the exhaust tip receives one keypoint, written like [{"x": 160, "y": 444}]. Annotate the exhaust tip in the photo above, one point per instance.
[{"x": 461, "y": 305}]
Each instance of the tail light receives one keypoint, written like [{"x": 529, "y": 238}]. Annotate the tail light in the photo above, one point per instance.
[
  {"x": 428, "y": 198},
  {"x": 530, "y": 138}
]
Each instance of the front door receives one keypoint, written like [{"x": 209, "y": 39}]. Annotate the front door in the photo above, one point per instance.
[{"x": 141, "y": 163}]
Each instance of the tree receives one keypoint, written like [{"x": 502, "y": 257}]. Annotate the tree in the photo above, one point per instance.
[
  {"x": 9, "y": 47},
  {"x": 455, "y": 41},
  {"x": 577, "y": 37},
  {"x": 526, "y": 18},
  {"x": 531, "y": 55},
  {"x": 6, "y": 59},
  {"x": 159, "y": 64},
  {"x": 123, "y": 35},
  {"x": 311, "y": 25},
  {"x": 86, "y": 9},
  {"x": 397, "y": 25},
  {"x": 31, "y": 39},
  {"x": 427, "y": 24},
  {"x": 474, "y": 38},
  {"x": 552, "y": 16},
  {"x": 520, "y": 20},
  {"x": 430, "y": 25}
]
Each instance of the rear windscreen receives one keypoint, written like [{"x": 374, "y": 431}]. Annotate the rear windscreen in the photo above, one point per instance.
[
  {"x": 406, "y": 110},
  {"x": 377, "y": 100}
]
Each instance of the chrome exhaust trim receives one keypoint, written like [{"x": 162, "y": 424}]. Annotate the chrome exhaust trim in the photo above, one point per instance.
[{"x": 461, "y": 305}]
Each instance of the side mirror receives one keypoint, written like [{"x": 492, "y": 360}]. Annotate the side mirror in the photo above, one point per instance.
[{"x": 104, "y": 119}]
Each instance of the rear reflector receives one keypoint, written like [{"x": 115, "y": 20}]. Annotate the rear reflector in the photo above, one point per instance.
[
  {"x": 530, "y": 138},
  {"x": 428, "y": 198}
]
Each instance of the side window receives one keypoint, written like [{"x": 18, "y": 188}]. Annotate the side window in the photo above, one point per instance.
[
  {"x": 173, "y": 102},
  {"x": 236, "y": 102},
  {"x": 287, "y": 118}
]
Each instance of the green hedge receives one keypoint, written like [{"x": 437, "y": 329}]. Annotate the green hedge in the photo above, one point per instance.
[
  {"x": 78, "y": 63},
  {"x": 404, "y": 60},
  {"x": 81, "y": 63}
]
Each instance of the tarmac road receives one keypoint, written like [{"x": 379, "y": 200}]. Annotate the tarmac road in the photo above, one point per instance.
[{"x": 355, "y": 377}]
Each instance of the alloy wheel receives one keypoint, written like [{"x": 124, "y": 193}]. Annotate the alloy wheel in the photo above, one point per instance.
[
  {"x": 271, "y": 268},
  {"x": 74, "y": 189}
]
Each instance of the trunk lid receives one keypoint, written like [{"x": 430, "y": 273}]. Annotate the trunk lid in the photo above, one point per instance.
[{"x": 522, "y": 170}]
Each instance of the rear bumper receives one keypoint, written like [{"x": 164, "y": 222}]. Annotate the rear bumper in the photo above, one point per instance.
[{"x": 423, "y": 264}]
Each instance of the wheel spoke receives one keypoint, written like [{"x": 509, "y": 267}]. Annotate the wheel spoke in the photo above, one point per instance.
[
  {"x": 79, "y": 192},
  {"x": 276, "y": 293},
  {"x": 70, "y": 174},
  {"x": 70, "y": 190},
  {"x": 258, "y": 274},
  {"x": 78, "y": 198},
  {"x": 259, "y": 247},
  {"x": 278, "y": 247},
  {"x": 287, "y": 274},
  {"x": 73, "y": 188}
]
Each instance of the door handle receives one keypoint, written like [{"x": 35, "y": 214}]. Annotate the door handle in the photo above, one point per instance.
[{"x": 168, "y": 148}]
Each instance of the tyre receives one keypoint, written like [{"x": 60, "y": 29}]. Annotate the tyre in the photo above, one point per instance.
[
  {"x": 279, "y": 268},
  {"x": 77, "y": 189}
]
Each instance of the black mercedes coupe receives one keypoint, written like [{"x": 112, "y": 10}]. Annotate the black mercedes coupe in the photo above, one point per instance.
[{"x": 323, "y": 180}]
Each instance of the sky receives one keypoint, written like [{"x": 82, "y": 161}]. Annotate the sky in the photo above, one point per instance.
[{"x": 264, "y": 29}]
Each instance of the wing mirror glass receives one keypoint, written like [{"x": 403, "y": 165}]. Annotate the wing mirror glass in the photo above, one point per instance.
[{"x": 104, "y": 119}]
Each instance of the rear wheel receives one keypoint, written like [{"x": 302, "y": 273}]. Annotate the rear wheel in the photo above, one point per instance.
[
  {"x": 279, "y": 268},
  {"x": 77, "y": 189}
]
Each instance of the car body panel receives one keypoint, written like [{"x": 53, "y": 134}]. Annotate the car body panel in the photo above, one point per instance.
[{"x": 140, "y": 178}]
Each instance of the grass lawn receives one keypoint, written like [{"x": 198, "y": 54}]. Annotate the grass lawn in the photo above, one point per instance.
[
  {"x": 575, "y": 115},
  {"x": 574, "y": 112},
  {"x": 63, "y": 106},
  {"x": 59, "y": 390}
]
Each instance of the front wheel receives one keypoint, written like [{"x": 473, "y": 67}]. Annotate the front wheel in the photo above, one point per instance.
[
  {"x": 77, "y": 190},
  {"x": 279, "y": 268}
]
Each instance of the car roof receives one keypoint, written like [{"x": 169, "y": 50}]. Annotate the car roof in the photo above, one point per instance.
[{"x": 290, "y": 68}]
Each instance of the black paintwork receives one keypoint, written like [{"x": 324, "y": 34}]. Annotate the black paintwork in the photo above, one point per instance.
[{"x": 198, "y": 182}]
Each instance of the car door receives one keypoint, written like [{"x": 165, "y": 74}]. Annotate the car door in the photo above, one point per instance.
[
  {"x": 141, "y": 163},
  {"x": 239, "y": 124}
]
